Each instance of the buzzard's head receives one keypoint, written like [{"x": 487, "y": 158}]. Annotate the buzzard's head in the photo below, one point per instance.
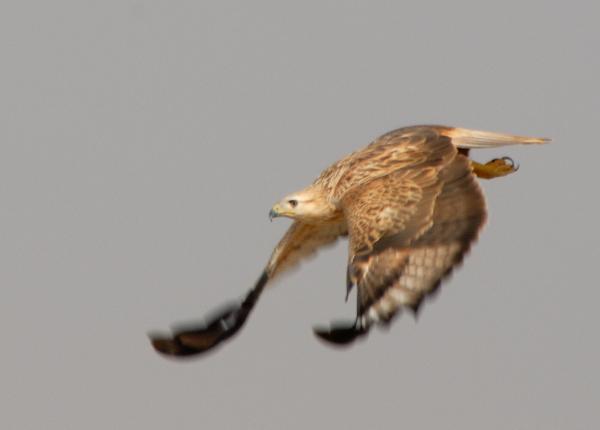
[{"x": 309, "y": 204}]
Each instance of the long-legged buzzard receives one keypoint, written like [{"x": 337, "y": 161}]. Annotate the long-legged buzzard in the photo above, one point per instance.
[{"x": 411, "y": 206}]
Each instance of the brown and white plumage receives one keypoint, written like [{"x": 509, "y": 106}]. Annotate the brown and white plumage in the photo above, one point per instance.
[{"x": 411, "y": 206}]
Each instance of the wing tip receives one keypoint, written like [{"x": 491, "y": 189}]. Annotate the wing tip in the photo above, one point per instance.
[
  {"x": 339, "y": 334},
  {"x": 169, "y": 346}
]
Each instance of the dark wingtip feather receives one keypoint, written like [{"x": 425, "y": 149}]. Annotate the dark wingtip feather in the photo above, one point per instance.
[
  {"x": 339, "y": 334},
  {"x": 416, "y": 308},
  {"x": 197, "y": 338},
  {"x": 170, "y": 346}
]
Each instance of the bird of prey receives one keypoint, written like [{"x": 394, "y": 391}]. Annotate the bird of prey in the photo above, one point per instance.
[{"x": 409, "y": 204}]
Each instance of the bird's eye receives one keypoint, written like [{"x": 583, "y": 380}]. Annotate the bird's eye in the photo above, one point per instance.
[{"x": 293, "y": 203}]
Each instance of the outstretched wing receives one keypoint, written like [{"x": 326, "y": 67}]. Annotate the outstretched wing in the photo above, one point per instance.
[
  {"x": 407, "y": 231},
  {"x": 300, "y": 241},
  {"x": 404, "y": 266}
]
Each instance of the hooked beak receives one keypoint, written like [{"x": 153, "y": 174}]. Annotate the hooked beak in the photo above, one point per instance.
[
  {"x": 275, "y": 212},
  {"x": 278, "y": 211}
]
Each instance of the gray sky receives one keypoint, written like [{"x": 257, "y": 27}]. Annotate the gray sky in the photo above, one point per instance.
[{"x": 142, "y": 144}]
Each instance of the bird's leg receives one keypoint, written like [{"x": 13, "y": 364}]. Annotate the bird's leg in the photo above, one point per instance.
[{"x": 494, "y": 168}]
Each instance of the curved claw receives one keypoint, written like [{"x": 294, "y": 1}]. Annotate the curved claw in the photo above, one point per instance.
[
  {"x": 340, "y": 333},
  {"x": 511, "y": 162},
  {"x": 495, "y": 168}
]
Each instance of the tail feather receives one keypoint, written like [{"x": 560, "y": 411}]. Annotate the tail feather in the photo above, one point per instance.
[{"x": 465, "y": 138}]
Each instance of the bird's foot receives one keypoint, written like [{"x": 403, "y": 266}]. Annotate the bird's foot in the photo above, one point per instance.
[{"x": 494, "y": 168}]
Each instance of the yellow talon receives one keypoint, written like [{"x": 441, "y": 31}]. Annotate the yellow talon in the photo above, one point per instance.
[{"x": 494, "y": 168}]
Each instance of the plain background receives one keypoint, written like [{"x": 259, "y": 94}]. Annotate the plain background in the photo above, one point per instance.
[{"x": 143, "y": 143}]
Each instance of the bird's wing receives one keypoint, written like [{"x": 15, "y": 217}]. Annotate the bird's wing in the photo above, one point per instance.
[
  {"x": 300, "y": 241},
  {"x": 407, "y": 230},
  {"x": 409, "y": 260}
]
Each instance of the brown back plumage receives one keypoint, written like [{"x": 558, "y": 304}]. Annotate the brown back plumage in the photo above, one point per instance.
[
  {"x": 409, "y": 227},
  {"x": 401, "y": 270}
]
